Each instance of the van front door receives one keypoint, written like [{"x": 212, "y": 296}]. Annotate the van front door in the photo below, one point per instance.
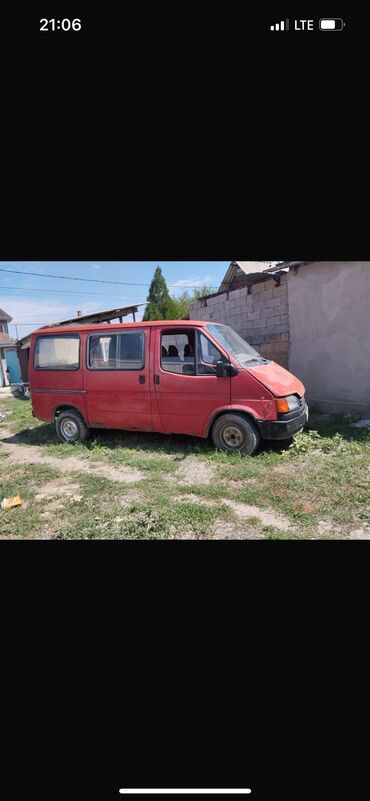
[
  {"x": 188, "y": 390},
  {"x": 117, "y": 379}
]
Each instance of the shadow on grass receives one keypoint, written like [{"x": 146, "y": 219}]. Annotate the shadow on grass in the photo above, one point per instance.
[
  {"x": 329, "y": 425},
  {"x": 326, "y": 426},
  {"x": 107, "y": 438},
  {"x": 177, "y": 444},
  {"x": 274, "y": 445}
]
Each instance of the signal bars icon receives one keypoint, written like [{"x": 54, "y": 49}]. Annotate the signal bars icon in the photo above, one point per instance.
[{"x": 280, "y": 26}]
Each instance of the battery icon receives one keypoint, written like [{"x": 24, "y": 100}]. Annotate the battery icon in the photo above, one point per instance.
[{"x": 331, "y": 24}]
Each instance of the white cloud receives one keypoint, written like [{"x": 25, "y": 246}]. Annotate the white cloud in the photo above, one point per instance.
[
  {"x": 31, "y": 314},
  {"x": 192, "y": 282},
  {"x": 44, "y": 310}
]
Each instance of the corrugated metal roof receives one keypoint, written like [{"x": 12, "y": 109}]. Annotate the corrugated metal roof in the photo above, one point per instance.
[
  {"x": 253, "y": 266},
  {"x": 285, "y": 265},
  {"x": 5, "y": 316},
  {"x": 6, "y": 340},
  {"x": 252, "y": 269},
  {"x": 95, "y": 317}
]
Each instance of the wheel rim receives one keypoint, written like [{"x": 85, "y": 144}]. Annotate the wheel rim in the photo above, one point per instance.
[
  {"x": 69, "y": 429},
  {"x": 233, "y": 437}
]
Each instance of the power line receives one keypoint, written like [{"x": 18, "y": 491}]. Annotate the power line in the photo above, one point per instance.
[
  {"x": 66, "y": 292},
  {"x": 92, "y": 280},
  {"x": 41, "y": 322}
]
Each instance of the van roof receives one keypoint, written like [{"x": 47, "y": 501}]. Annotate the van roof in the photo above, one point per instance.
[{"x": 70, "y": 329}]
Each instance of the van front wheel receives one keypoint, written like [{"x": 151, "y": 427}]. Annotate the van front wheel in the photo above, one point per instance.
[
  {"x": 235, "y": 434},
  {"x": 70, "y": 427}
]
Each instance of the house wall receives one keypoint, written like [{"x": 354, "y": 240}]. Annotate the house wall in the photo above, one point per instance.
[
  {"x": 260, "y": 317},
  {"x": 3, "y": 374},
  {"x": 329, "y": 308}
]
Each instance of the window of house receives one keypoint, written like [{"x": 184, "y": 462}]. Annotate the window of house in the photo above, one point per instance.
[
  {"x": 57, "y": 352},
  {"x": 116, "y": 351}
]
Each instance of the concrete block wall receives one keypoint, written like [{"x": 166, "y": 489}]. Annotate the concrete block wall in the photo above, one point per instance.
[{"x": 261, "y": 317}]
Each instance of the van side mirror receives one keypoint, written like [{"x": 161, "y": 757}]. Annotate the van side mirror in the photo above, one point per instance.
[
  {"x": 221, "y": 370},
  {"x": 224, "y": 369}
]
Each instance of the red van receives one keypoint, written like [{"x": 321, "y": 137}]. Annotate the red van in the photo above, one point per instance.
[{"x": 176, "y": 377}]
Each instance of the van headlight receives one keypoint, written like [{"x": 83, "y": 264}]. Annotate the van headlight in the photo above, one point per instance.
[{"x": 288, "y": 404}]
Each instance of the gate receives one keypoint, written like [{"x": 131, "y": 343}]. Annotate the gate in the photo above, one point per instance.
[{"x": 13, "y": 366}]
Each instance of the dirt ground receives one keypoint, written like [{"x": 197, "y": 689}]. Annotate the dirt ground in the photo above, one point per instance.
[{"x": 146, "y": 486}]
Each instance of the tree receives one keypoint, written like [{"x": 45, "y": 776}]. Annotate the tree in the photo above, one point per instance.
[
  {"x": 160, "y": 305},
  {"x": 184, "y": 301}
]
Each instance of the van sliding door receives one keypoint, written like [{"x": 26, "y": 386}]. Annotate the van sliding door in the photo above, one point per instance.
[{"x": 117, "y": 379}]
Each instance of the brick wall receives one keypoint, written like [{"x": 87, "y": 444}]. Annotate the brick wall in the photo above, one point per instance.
[{"x": 261, "y": 317}]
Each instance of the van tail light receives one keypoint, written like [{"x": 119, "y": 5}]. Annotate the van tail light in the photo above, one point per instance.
[{"x": 282, "y": 405}]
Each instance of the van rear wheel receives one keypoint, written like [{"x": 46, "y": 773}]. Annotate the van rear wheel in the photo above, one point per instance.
[
  {"x": 235, "y": 434},
  {"x": 71, "y": 427}
]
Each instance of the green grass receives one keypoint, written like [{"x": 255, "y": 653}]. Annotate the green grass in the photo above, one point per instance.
[
  {"x": 24, "y": 521},
  {"x": 323, "y": 476}
]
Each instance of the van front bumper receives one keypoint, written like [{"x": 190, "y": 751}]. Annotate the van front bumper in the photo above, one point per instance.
[{"x": 286, "y": 426}]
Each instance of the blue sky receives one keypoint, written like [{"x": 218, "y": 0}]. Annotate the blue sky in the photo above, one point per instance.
[{"x": 36, "y": 300}]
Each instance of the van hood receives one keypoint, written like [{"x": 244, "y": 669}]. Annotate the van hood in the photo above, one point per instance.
[{"x": 276, "y": 379}]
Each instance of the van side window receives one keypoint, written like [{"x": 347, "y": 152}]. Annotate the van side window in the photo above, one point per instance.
[
  {"x": 178, "y": 352},
  {"x": 60, "y": 352},
  {"x": 208, "y": 356},
  {"x": 116, "y": 351}
]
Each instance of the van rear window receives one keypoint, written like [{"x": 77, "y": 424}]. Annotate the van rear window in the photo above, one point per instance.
[{"x": 57, "y": 353}]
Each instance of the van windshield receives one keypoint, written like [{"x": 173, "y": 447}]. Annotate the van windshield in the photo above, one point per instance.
[{"x": 235, "y": 345}]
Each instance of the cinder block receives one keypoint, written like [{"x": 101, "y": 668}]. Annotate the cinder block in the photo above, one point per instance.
[
  {"x": 280, "y": 347},
  {"x": 253, "y": 315},
  {"x": 281, "y": 290},
  {"x": 267, "y": 313},
  {"x": 256, "y": 288},
  {"x": 282, "y": 310},
  {"x": 275, "y": 301},
  {"x": 255, "y": 341},
  {"x": 284, "y": 337}
]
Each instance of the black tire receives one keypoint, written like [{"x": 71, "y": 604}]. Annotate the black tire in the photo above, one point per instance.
[
  {"x": 71, "y": 427},
  {"x": 235, "y": 433}
]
